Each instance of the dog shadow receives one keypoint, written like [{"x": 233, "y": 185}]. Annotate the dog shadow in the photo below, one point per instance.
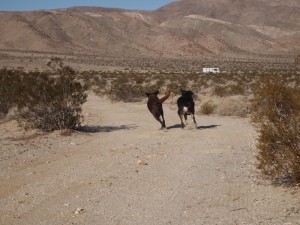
[
  {"x": 105, "y": 129},
  {"x": 174, "y": 126},
  {"x": 198, "y": 127},
  {"x": 207, "y": 127}
]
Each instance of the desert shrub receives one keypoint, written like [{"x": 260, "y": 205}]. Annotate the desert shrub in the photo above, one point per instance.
[
  {"x": 125, "y": 92},
  {"x": 207, "y": 107},
  {"x": 99, "y": 85},
  {"x": 297, "y": 59},
  {"x": 138, "y": 78},
  {"x": 51, "y": 101},
  {"x": 89, "y": 78},
  {"x": 9, "y": 88},
  {"x": 276, "y": 108},
  {"x": 236, "y": 89},
  {"x": 219, "y": 91}
]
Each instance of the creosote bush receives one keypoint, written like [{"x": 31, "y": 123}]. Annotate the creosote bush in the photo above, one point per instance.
[
  {"x": 53, "y": 103},
  {"x": 276, "y": 109},
  {"x": 45, "y": 100},
  {"x": 9, "y": 83}
]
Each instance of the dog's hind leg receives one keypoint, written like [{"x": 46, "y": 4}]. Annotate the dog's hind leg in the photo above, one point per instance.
[
  {"x": 193, "y": 116},
  {"x": 185, "y": 118},
  {"x": 181, "y": 119},
  {"x": 163, "y": 124}
]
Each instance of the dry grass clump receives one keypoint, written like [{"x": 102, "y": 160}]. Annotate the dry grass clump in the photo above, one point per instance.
[
  {"x": 207, "y": 108},
  {"x": 233, "y": 106},
  {"x": 277, "y": 110}
]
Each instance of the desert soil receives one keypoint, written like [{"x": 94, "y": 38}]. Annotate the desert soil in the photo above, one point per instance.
[{"x": 124, "y": 170}]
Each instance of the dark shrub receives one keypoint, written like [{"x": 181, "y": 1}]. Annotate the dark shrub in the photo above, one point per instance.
[
  {"x": 45, "y": 100},
  {"x": 9, "y": 89}
]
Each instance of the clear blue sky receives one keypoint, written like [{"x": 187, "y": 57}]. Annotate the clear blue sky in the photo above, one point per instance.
[{"x": 27, "y": 5}]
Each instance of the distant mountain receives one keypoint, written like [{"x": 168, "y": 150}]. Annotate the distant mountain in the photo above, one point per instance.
[
  {"x": 257, "y": 26},
  {"x": 182, "y": 28}
]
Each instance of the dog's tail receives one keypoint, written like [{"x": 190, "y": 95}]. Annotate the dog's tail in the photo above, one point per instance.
[{"x": 167, "y": 95}]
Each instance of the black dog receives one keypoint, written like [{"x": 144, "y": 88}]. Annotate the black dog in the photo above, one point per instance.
[
  {"x": 186, "y": 106},
  {"x": 155, "y": 106}
]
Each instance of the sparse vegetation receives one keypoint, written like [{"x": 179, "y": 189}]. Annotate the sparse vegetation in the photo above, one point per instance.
[{"x": 233, "y": 86}]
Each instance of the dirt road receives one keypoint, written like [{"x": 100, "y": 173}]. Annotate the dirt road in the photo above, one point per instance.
[{"x": 124, "y": 170}]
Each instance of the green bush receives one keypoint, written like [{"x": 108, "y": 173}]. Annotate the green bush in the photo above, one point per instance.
[{"x": 276, "y": 108}]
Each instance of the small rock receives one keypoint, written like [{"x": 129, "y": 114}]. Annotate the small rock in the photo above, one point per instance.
[
  {"x": 30, "y": 173},
  {"x": 142, "y": 163},
  {"x": 78, "y": 211}
]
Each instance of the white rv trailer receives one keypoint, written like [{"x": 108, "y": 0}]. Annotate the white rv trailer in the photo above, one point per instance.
[{"x": 211, "y": 70}]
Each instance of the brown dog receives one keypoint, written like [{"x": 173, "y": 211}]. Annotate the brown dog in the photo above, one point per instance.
[{"x": 155, "y": 106}]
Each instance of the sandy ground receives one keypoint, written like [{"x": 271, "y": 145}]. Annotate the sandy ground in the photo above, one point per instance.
[{"x": 124, "y": 170}]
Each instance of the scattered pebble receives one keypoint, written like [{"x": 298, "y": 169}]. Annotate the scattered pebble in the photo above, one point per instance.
[
  {"x": 142, "y": 163},
  {"x": 78, "y": 211}
]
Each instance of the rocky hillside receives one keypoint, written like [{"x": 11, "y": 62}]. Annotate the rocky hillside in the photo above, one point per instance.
[{"x": 182, "y": 28}]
